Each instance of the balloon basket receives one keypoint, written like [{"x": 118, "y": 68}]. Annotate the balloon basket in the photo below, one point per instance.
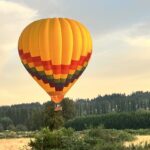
[{"x": 58, "y": 107}]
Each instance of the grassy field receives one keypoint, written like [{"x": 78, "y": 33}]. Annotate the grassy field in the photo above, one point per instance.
[
  {"x": 139, "y": 140},
  {"x": 134, "y": 138},
  {"x": 22, "y": 143}
]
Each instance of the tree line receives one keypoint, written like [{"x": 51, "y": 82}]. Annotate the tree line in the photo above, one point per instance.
[
  {"x": 113, "y": 103},
  {"x": 35, "y": 115},
  {"x": 124, "y": 120}
]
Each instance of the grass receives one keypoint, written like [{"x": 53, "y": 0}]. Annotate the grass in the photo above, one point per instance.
[
  {"x": 138, "y": 132},
  {"x": 18, "y": 134},
  {"x": 95, "y": 139}
]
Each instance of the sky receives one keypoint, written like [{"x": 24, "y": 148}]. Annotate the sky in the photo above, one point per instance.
[{"x": 120, "y": 62}]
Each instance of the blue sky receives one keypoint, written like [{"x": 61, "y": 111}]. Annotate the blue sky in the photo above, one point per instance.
[{"x": 121, "y": 46}]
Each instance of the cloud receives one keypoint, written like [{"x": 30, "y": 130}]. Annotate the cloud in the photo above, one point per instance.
[
  {"x": 14, "y": 17},
  {"x": 46, "y": 9},
  {"x": 121, "y": 49},
  {"x": 99, "y": 16}
]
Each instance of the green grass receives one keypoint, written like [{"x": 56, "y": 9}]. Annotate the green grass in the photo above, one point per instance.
[
  {"x": 67, "y": 139},
  {"x": 18, "y": 134},
  {"x": 94, "y": 139},
  {"x": 138, "y": 132}
]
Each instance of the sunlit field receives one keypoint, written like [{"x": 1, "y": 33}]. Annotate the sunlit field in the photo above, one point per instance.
[
  {"x": 15, "y": 144},
  {"x": 139, "y": 140}
]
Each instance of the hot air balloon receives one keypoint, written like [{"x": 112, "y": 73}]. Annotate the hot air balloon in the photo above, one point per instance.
[{"x": 55, "y": 51}]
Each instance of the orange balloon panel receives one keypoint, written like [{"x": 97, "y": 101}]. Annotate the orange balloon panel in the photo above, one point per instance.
[{"x": 55, "y": 51}]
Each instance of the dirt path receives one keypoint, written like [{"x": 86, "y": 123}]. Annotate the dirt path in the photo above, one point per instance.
[
  {"x": 14, "y": 144},
  {"x": 140, "y": 140}
]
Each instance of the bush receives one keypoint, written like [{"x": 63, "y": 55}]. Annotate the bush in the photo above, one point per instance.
[
  {"x": 67, "y": 139},
  {"x": 64, "y": 139},
  {"x": 110, "y": 135},
  {"x": 11, "y": 127},
  {"x": 21, "y": 127}
]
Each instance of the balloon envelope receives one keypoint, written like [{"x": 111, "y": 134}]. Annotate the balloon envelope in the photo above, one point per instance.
[{"x": 55, "y": 51}]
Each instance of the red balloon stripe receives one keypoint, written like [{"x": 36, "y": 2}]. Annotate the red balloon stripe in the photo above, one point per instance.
[{"x": 57, "y": 69}]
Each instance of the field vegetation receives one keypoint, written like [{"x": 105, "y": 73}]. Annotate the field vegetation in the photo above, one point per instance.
[{"x": 110, "y": 122}]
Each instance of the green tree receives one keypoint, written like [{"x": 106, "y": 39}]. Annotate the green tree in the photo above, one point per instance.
[
  {"x": 1, "y": 127},
  {"x": 6, "y": 121},
  {"x": 52, "y": 119},
  {"x": 68, "y": 108},
  {"x": 35, "y": 121}
]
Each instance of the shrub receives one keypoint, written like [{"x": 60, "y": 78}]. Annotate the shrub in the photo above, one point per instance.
[
  {"x": 11, "y": 127},
  {"x": 110, "y": 135},
  {"x": 67, "y": 139},
  {"x": 64, "y": 139},
  {"x": 21, "y": 127}
]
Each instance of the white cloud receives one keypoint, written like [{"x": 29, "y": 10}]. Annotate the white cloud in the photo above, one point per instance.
[
  {"x": 121, "y": 53},
  {"x": 14, "y": 17},
  {"x": 120, "y": 61}
]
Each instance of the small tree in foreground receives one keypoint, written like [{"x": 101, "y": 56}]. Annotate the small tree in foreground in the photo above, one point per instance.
[
  {"x": 64, "y": 139},
  {"x": 52, "y": 119}
]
